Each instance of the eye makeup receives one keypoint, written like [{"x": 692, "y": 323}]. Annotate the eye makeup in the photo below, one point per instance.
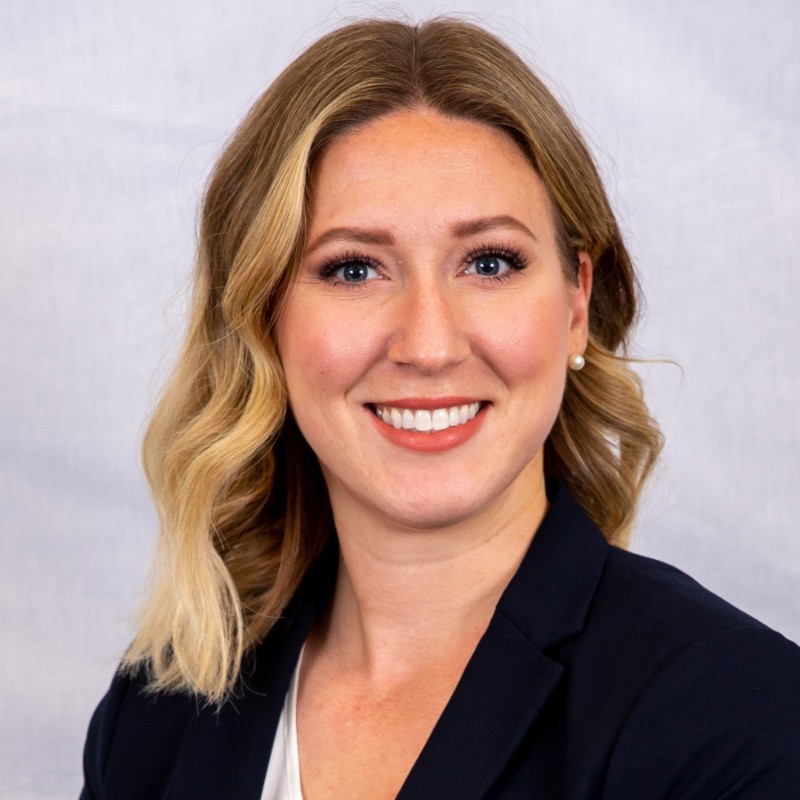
[{"x": 353, "y": 268}]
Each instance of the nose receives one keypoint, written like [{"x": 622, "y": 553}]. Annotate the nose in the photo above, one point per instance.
[{"x": 429, "y": 332}]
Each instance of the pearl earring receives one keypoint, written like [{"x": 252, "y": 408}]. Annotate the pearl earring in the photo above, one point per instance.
[{"x": 577, "y": 362}]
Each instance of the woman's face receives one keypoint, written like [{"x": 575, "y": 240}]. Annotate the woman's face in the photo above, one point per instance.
[{"x": 425, "y": 340}]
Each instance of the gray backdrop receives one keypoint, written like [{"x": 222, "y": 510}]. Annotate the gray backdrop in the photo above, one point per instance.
[{"x": 112, "y": 114}]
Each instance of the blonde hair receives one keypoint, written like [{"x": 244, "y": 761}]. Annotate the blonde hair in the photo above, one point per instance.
[{"x": 243, "y": 507}]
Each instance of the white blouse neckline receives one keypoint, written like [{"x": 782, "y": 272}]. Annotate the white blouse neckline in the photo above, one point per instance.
[{"x": 283, "y": 771}]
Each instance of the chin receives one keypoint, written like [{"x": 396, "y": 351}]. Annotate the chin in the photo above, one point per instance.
[{"x": 437, "y": 508}]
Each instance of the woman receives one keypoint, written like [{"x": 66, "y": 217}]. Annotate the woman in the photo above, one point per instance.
[{"x": 393, "y": 463}]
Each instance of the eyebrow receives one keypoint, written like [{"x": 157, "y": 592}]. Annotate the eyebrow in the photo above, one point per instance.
[
  {"x": 378, "y": 237},
  {"x": 470, "y": 228},
  {"x": 382, "y": 237}
]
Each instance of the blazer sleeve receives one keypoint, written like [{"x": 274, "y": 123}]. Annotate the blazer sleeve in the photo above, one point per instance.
[{"x": 720, "y": 720}]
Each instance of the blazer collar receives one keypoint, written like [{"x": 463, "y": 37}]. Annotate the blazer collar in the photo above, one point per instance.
[{"x": 503, "y": 689}]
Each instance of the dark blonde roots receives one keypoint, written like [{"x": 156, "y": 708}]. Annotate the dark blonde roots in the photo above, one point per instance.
[{"x": 242, "y": 503}]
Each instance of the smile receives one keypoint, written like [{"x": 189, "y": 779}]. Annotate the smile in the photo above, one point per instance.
[{"x": 425, "y": 420}]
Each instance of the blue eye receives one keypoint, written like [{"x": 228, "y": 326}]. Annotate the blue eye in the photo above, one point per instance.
[
  {"x": 489, "y": 266},
  {"x": 351, "y": 271},
  {"x": 356, "y": 272}
]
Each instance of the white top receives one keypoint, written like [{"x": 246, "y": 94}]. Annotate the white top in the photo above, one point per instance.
[{"x": 283, "y": 772}]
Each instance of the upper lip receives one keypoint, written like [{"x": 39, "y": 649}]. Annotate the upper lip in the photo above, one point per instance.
[{"x": 428, "y": 403}]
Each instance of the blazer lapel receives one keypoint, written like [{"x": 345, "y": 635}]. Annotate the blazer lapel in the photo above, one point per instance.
[
  {"x": 510, "y": 677},
  {"x": 501, "y": 693}
]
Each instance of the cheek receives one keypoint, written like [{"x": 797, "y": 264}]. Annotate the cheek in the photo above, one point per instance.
[
  {"x": 321, "y": 354},
  {"x": 528, "y": 342}
]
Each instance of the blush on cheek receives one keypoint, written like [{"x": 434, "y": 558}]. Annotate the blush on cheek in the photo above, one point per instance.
[
  {"x": 339, "y": 355},
  {"x": 323, "y": 355},
  {"x": 524, "y": 346}
]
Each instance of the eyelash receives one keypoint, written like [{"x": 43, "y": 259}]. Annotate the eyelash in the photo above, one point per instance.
[
  {"x": 329, "y": 267},
  {"x": 516, "y": 261}
]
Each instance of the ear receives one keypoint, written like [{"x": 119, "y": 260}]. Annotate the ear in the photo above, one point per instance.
[{"x": 580, "y": 295}]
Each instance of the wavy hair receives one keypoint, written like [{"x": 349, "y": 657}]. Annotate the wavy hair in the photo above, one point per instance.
[{"x": 242, "y": 504}]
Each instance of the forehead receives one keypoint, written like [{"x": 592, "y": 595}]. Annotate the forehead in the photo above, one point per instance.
[
  {"x": 422, "y": 135},
  {"x": 419, "y": 162}
]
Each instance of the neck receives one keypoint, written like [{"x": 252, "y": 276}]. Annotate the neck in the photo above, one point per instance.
[{"x": 405, "y": 597}]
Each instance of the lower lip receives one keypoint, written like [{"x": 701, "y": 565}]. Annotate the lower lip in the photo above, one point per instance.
[{"x": 433, "y": 441}]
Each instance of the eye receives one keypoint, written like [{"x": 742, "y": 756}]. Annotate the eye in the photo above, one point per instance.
[
  {"x": 494, "y": 262},
  {"x": 350, "y": 270},
  {"x": 489, "y": 265},
  {"x": 355, "y": 272}
]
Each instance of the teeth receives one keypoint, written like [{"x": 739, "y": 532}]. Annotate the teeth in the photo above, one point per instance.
[
  {"x": 422, "y": 421},
  {"x": 440, "y": 420},
  {"x": 425, "y": 421}
]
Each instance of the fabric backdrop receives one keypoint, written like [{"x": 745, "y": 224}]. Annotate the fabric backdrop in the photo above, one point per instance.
[{"x": 110, "y": 116}]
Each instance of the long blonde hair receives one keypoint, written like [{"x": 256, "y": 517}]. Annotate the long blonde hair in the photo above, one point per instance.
[{"x": 243, "y": 507}]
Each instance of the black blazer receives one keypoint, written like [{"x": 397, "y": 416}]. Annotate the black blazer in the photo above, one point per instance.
[{"x": 601, "y": 675}]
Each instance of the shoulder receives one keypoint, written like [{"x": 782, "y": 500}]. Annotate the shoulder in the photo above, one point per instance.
[
  {"x": 129, "y": 719},
  {"x": 653, "y": 621},
  {"x": 706, "y": 698},
  {"x": 153, "y": 744},
  {"x": 143, "y": 743},
  {"x": 720, "y": 718},
  {"x": 661, "y": 600}
]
